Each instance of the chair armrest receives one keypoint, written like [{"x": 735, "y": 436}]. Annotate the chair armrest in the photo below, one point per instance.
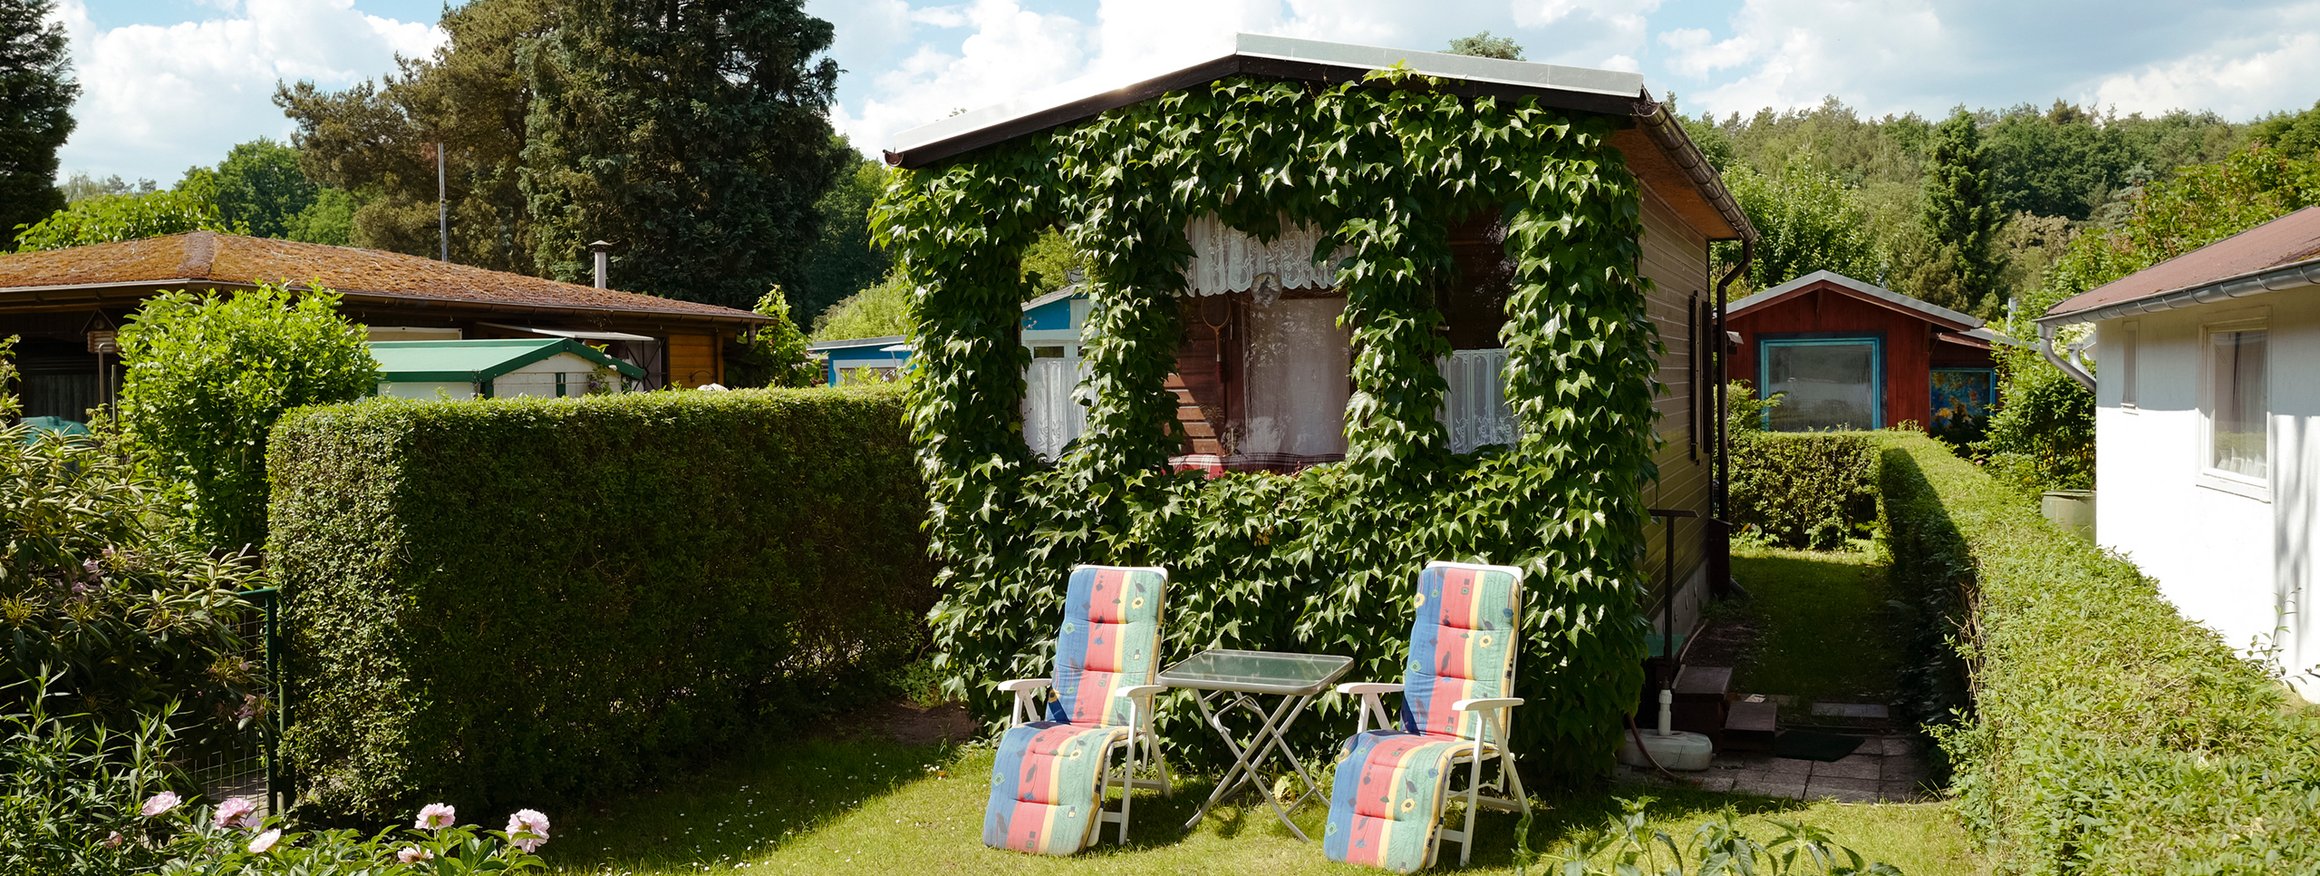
[
  {"x": 1355, "y": 688},
  {"x": 1023, "y": 685},
  {"x": 1138, "y": 691},
  {"x": 1491, "y": 703}
]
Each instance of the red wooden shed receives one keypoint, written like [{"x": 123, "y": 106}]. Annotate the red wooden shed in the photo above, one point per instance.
[{"x": 1847, "y": 354}]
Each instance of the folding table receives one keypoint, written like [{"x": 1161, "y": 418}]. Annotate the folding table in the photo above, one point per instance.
[{"x": 1235, "y": 679}]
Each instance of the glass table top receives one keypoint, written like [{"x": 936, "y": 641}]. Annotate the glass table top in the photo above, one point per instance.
[{"x": 1256, "y": 671}]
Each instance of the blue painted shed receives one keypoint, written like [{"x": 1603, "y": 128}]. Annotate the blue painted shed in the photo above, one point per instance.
[{"x": 1051, "y": 327}]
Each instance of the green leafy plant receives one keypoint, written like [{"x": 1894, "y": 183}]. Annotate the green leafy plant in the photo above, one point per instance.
[
  {"x": 1322, "y": 560},
  {"x": 109, "y": 218},
  {"x": 773, "y": 354},
  {"x": 70, "y": 785},
  {"x": 1803, "y": 489},
  {"x": 208, "y": 375},
  {"x": 501, "y": 600},
  {"x": 2105, "y": 733},
  {"x": 96, "y": 596},
  {"x": 1628, "y": 846}
]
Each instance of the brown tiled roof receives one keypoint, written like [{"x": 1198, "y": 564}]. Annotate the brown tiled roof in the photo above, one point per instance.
[
  {"x": 209, "y": 257},
  {"x": 2284, "y": 241}
]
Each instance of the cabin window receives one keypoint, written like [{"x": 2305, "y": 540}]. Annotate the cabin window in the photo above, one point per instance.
[
  {"x": 1823, "y": 383},
  {"x": 2238, "y": 408},
  {"x": 1051, "y": 417},
  {"x": 1474, "y": 409},
  {"x": 2129, "y": 342},
  {"x": 1298, "y": 377}
]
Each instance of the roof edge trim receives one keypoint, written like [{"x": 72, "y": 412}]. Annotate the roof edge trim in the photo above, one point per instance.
[{"x": 2285, "y": 278}]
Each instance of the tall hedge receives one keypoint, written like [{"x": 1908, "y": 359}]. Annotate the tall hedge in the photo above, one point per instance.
[
  {"x": 510, "y": 601},
  {"x": 2108, "y": 734},
  {"x": 1804, "y": 489}
]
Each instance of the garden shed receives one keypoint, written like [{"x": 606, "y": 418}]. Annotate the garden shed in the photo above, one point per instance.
[
  {"x": 1351, "y": 309},
  {"x": 1849, "y": 354},
  {"x": 501, "y": 368}
]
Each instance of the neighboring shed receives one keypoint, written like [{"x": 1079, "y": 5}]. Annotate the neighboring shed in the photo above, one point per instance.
[
  {"x": 2207, "y": 433},
  {"x": 501, "y": 368},
  {"x": 884, "y": 357},
  {"x": 1848, "y": 354},
  {"x": 67, "y": 303}
]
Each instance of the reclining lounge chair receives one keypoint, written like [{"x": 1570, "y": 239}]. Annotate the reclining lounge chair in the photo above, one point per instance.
[
  {"x": 1386, "y": 806},
  {"x": 1050, "y": 782}
]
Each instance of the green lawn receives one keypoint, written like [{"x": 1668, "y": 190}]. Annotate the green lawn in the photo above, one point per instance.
[
  {"x": 837, "y": 806},
  {"x": 1824, "y": 628}
]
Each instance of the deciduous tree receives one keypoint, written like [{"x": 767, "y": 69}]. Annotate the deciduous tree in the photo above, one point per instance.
[
  {"x": 107, "y": 218},
  {"x": 843, "y": 259}
]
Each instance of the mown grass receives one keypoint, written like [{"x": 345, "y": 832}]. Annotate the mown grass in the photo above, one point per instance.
[
  {"x": 1824, "y": 622},
  {"x": 871, "y": 806}
]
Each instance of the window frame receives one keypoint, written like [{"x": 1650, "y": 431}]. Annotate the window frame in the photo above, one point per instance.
[
  {"x": 2208, "y": 475},
  {"x": 2130, "y": 364},
  {"x": 1876, "y": 342}
]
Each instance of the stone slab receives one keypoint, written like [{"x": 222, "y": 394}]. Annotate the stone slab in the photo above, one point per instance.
[{"x": 1860, "y": 711}]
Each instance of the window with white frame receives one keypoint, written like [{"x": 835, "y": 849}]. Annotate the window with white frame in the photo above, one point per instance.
[
  {"x": 1051, "y": 417},
  {"x": 2130, "y": 344},
  {"x": 2238, "y": 407}
]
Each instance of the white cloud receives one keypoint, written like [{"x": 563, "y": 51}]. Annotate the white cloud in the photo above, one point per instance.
[
  {"x": 156, "y": 100},
  {"x": 1791, "y": 53},
  {"x": 2236, "y": 84}
]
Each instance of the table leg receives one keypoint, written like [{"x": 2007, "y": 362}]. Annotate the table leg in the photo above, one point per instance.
[{"x": 1268, "y": 737}]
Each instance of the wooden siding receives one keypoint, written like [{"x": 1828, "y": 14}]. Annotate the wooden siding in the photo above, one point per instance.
[
  {"x": 1910, "y": 348},
  {"x": 1207, "y": 390},
  {"x": 1675, "y": 260},
  {"x": 695, "y": 359}
]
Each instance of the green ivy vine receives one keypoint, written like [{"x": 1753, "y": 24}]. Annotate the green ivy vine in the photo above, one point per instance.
[{"x": 1324, "y": 560}]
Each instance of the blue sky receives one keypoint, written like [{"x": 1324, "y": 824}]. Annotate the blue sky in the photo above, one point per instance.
[{"x": 173, "y": 83}]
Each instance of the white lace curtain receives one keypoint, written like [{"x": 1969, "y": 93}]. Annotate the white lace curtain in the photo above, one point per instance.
[
  {"x": 1475, "y": 409},
  {"x": 1225, "y": 260},
  {"x": 1297, "y": 378},
  {"x": 1050, "y": 418}
]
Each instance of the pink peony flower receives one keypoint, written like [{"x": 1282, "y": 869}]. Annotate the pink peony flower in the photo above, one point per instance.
[
  {"x": 265, "y": 841},
  {"x": 159, "y": 803},
  {"x": 437, "y": 816},
  {"x": 234, "y": 812},
  {"x": 115, "y": 840},
  {"x": 527, "y": 829},
  {"x": 413, "y": 855}
]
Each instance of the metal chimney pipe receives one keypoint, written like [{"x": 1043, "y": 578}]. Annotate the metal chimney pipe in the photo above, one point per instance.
[{"x": 600, "y": 248}]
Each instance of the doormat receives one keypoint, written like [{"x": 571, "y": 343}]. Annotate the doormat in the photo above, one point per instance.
[{"x": 1815, "y": 745}]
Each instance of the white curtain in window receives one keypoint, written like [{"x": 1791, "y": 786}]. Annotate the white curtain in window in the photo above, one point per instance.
[
  {"x": 1050, "y": 418},
  {"x": 1297, "y": 377},
  {"x": 1474, "y": 409}
]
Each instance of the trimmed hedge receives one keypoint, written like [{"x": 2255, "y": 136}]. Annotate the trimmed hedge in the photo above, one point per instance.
[
  {"x": 1803, "y": 489},
  {"x": 504, "y": 602},
  {"x": 2108, "y": 734}
]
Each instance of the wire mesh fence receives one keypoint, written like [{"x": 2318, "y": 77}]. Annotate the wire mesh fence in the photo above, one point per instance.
[{"x": 236, "y": 755}]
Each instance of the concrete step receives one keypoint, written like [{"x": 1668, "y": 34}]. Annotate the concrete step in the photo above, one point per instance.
[
  {"x": 1702, "y": 700},
  {"x": 1752, "y": 724}
]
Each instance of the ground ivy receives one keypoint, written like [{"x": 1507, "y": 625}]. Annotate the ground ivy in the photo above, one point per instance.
[{"x": 1325, "y": 560}]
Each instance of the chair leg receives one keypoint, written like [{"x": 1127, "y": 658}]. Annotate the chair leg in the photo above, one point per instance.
[
  {"x": 1473, "y": 792},
  {"x": 1127, "y": 789}
]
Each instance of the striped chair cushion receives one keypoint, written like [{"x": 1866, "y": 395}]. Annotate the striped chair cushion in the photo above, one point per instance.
[
  {"x": 1043, "y": 787},
  {"x": 1387, "y": 795},
  {"x": 1110, "y": 640},
  {"x": 1461, "y": 647}
]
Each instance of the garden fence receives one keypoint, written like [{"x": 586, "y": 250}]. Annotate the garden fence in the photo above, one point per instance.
[{"x": 243, "y": 761}]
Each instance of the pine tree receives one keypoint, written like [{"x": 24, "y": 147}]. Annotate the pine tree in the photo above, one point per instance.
[
  {"x": 36, "y": 98},
  {"x": 1964, "y": 219},
  {"x": 693, "y": 133}
]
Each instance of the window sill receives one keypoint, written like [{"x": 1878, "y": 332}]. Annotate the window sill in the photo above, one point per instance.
[{"x": 2235, "y": 484}]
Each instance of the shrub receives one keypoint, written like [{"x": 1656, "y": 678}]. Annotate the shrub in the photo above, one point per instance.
[
  {"x": 500, "y": 600},
  {"x": 1803, "y": 489},
  {"x": 2108, "y": 734},
  {"x": 773, "y": 354},
  {"x": 121, "y": 618},
  {"x": 207, "y": 376},
  {"x": 68, "y": 785}
]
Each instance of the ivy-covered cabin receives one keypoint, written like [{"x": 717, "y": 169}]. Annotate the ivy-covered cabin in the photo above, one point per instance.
[{"x": 1351, "y": 308}]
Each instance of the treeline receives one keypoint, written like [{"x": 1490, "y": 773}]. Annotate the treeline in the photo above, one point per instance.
[{"x": 1967, "y": 212}]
